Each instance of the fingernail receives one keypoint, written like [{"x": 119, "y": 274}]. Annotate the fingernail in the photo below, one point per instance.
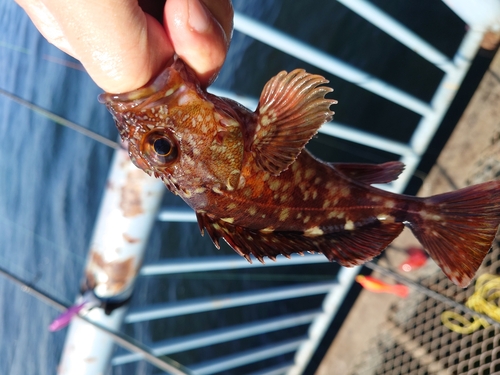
[{"x": 198, "y": 16}]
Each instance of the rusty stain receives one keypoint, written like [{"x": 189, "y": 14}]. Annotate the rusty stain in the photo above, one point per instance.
[
  {"x": 130, "y": 239},
  {"x": 131, "y": 202},
  {"x": 119, "y": 273}
]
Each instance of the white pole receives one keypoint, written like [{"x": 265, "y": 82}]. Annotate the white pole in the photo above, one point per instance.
[{"x": 126, "y": 216}]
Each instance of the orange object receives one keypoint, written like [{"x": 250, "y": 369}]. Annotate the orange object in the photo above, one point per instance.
[
  {"x": 417, "y": 257},
  {"x": 378, "y": 286}
]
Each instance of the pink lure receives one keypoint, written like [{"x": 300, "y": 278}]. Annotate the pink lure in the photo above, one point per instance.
[{"x": 65, "y": 318}]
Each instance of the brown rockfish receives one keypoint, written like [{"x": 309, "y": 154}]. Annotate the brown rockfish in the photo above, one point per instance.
[{"x": 252, "y": 183}]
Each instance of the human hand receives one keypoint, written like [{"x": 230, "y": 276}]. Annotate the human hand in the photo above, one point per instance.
[{"x": 122, "y": 47}]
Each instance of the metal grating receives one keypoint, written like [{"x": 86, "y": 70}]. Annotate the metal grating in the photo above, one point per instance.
[{"x": 414, "y": 341}]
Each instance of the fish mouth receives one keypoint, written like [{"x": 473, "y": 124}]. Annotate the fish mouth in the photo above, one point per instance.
[{"x": 128, "y": 100}]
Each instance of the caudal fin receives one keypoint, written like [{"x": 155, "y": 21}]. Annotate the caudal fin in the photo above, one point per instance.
[{"x": 458, "y": 228}]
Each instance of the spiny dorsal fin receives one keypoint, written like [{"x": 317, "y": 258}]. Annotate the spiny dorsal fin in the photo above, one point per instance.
[
  {"x": 291, "y": 109},
  {"x": 371, "y": 173}
]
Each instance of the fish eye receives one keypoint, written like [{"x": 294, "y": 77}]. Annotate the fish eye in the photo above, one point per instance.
[
  {"x": 162, "y": 146},
  {"x": 159, "y": 147}
]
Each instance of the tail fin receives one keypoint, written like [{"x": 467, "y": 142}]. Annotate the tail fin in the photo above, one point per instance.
[{"x": 458, "y": 228}]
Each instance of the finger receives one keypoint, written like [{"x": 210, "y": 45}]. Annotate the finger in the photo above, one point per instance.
[
  {"x": 45, "y": 22},
  {"x": 120, "y": 46},
  {"x": 200, "y": 34}
]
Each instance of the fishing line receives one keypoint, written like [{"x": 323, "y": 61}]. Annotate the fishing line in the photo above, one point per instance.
[
  {"x": 446, "y": 176},
  {"x": 61, "y": 120},
  {"x": 45, "y": 241},
  {"x": 430, "y": 293},
  {"x": 167, "y": 364},
  {"x": 494, "y": 74}
]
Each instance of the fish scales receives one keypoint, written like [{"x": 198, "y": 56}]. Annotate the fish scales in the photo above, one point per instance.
[{"x": 251, "y": 182}]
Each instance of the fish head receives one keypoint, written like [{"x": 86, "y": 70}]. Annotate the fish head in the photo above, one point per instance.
[{"x": 175, "y": 132}]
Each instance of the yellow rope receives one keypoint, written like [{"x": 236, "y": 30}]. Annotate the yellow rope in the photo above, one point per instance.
[{"x": 484, "y": 300}]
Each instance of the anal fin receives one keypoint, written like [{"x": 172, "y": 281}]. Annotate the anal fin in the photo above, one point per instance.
[{"x": 347, "y": 247}]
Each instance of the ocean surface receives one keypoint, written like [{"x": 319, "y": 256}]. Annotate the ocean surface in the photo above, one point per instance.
[{"x": 52, "y": 178}]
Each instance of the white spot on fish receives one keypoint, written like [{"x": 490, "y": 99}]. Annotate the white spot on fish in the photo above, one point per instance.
[
  {"x": 267, "y": 230},
  {"x": 284, "y": 214},
  {"x": 274, "y": 184},
  {"x": 306, "y": 195},
  {"x": 345, "y": 191},
  {"x": 349, "y": 225},
  {"x": 263, "y": 109},
  {"x": 313, "y": 232},
  {"x": 229, "y": 220},
  {"x": 386, "y": 218},
  {"x": 265, "y": 120},
  {"x": 216, "y": 190},
  {"x": 428, "y": 216},
  {"x": 309, "y": 173},
  {"x": 389, "y": 203}
]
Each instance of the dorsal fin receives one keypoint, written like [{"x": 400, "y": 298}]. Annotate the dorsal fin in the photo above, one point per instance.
[
  {"x": 371, "y": 173},
  {"x": 291, "y": 109}
]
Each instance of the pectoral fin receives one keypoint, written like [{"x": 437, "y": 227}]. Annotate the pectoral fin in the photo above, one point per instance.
[{"x": 291, "y": 109}]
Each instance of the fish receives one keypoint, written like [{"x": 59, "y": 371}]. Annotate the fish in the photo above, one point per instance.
[
  {"x": 378, "y": 286},
  {"x": 417, "y": 257},
  {"x": 251, "y": 181}
]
